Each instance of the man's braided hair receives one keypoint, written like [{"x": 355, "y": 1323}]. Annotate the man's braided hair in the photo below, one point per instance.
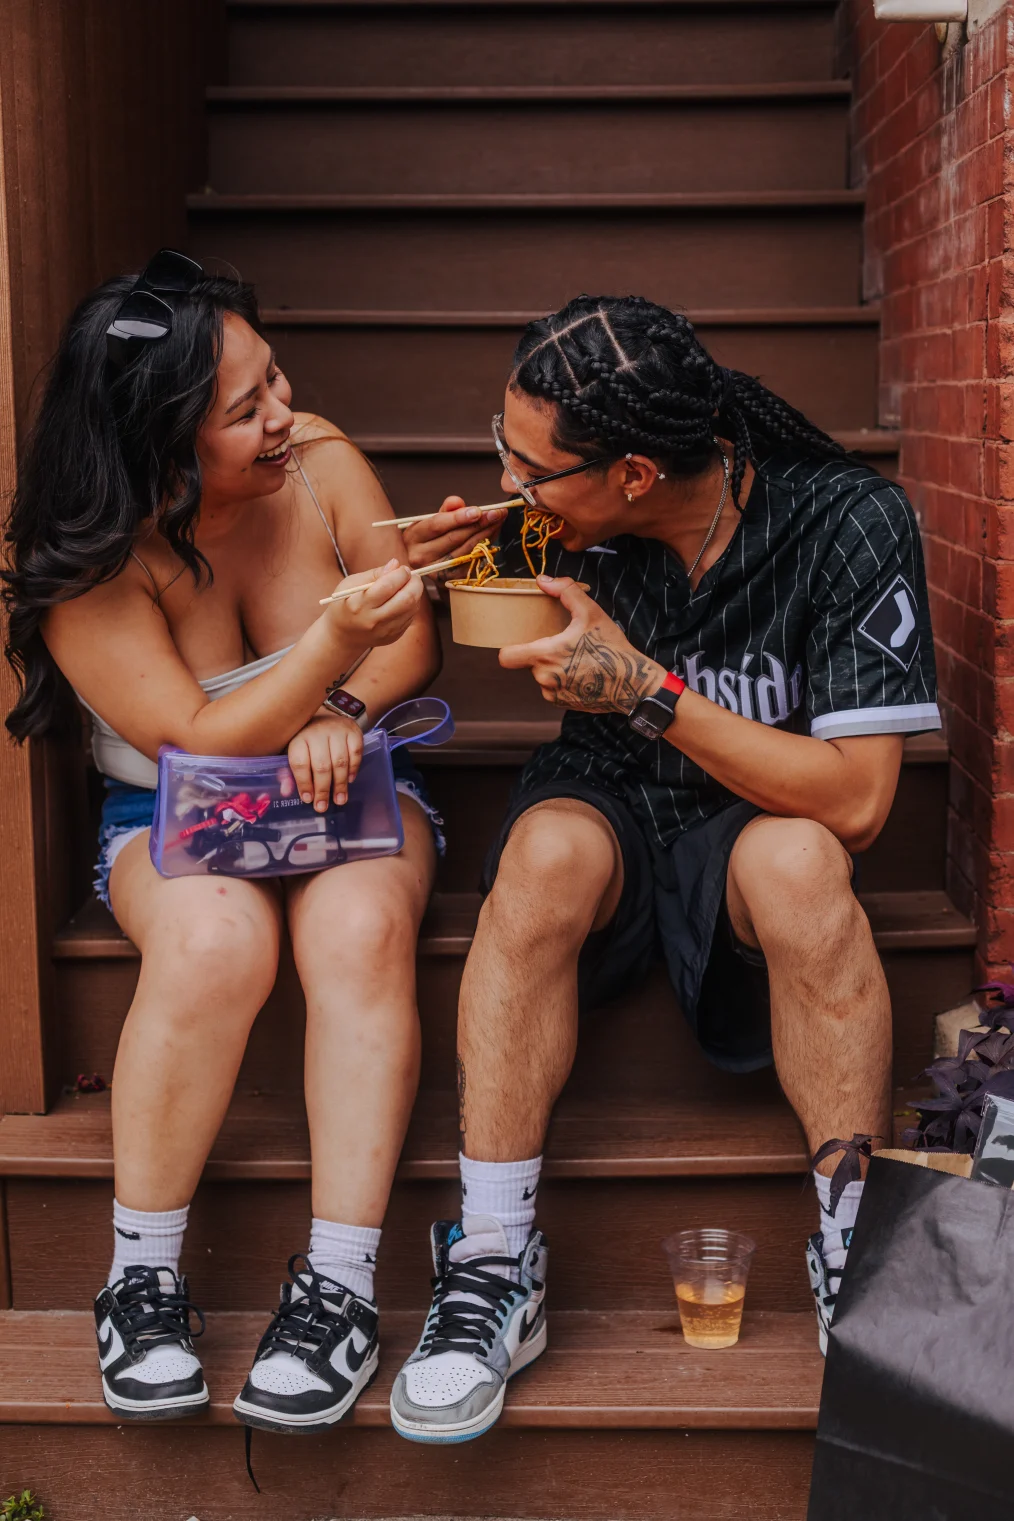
[{"x": 628, "y": 376}]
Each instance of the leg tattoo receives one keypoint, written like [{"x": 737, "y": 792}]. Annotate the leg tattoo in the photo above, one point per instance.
[{"x": 461, "y": 1104}]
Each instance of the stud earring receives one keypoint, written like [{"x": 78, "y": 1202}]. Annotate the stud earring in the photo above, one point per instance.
[
  {"x": 630, "y": 496},
  {"x": 661, "y": 475}
]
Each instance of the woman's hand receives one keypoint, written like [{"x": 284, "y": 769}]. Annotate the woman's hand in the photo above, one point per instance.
[
  {"x": 325, "y": 758},
  {"x": 455, "y": 530},
  {"x": 383, "y": 611},
  {"x": 591, "y": 666}
]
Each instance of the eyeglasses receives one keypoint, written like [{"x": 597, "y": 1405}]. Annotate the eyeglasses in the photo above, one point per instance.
[
  {"x": 144, "y": 316},
  {"x": 258, "y": 847},
  {"x": 525, "y": 487}
]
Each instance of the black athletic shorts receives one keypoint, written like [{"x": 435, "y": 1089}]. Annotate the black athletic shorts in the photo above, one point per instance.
[{"x": 673, "y": 902}]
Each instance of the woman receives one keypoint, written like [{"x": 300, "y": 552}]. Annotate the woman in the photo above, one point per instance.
[{"x": 175, "y": 527}]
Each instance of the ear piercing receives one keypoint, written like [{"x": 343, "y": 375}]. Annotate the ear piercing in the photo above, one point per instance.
[{"x": 630, "y": 496}]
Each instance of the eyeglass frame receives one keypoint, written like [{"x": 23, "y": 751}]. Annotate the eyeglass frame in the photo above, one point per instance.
[
  {"x": 261, "y": 834},
  {"x": 525, "y": 487},
  {"x": 122, "y": 347}
]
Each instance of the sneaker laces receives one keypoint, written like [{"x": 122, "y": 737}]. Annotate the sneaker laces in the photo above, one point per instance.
[
  {"x": 459, "y": 1324},
  {"x": 308, "y": 1327},
  {"x": 146, "y": 1316}
]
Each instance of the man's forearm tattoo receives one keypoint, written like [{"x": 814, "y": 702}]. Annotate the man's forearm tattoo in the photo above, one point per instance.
[
  {"x": 461, "y": 1104},
  {"x": 599, "y": 676}
]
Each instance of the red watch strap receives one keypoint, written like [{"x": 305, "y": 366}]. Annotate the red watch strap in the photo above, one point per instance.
[{"x": 674, "y": 684}]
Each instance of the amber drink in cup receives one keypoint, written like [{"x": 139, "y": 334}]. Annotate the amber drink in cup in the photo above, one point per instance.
[{"x": 709, "y": 1270}]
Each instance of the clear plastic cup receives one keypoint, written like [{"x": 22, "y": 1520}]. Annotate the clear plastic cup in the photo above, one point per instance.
[{"x": 709, "y": 1270}]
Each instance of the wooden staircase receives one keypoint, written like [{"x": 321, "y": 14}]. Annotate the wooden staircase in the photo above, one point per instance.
[{"x": 406, "y": 182}]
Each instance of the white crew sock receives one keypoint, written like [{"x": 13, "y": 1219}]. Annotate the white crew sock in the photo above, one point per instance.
[
  {"x": 505, "y": 1190},
  {"x": 843, "y": 1218},
  {"x": 153, "y": 1240},
  {"x": 347, "y": 1254}
]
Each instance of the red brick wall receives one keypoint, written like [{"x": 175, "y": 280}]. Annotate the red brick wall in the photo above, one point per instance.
[{"x": 928, "y": 146}]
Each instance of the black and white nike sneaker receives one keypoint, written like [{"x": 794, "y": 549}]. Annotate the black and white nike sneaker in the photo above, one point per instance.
[
  {"x": 315, "y": 1359},
  {"x": 482, "y": 1328},
  {"x": 150, "y": 1371},
  {"x": 825, "y": 1282}
]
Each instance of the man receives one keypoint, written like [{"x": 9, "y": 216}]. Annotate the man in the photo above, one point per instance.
[{"x": 754, "y": 645}]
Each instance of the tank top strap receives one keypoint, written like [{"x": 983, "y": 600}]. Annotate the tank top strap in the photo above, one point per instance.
[
  {"x": 147, "y": 572},
  {"x": 323, "y": 518}
]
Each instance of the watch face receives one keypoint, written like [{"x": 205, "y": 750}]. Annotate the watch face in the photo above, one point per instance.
[
  {"x": 345, "y": 703},
  {"x": 648, "y": 725}
]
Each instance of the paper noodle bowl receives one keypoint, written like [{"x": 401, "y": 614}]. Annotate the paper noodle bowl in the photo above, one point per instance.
[{"x": 507, "y": 610}]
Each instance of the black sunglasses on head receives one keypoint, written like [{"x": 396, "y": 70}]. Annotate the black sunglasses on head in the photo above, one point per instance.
[{"x": 144, "y": 315}]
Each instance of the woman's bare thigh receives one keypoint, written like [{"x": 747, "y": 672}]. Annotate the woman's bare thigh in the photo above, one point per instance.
[{"x": 148, "y": 906}]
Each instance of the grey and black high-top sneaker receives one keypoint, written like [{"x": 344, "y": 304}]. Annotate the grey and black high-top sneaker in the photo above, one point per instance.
[
  {"x": 315, "y": 1359},
  {"x": 825, "y": 1283},
  {"x": 150, "y": 1371},
  {"x": 483, "y": 1327}
]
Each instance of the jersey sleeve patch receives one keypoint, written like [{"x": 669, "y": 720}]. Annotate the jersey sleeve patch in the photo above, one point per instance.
[{"x": 892, "y": 625}]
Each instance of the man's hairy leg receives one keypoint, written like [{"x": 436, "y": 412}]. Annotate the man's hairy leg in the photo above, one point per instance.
[
  {"x": 789, "y": 892},
  {"x": 560, "y": 876}
]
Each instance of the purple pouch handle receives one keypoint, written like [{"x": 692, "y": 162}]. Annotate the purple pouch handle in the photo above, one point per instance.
[{"x": 422, "y": 721}]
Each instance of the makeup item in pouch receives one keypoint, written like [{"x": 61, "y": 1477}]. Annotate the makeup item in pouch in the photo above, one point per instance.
[
  {"x": 242, "y": 816},
  {"x": 993, "y": 1159}
]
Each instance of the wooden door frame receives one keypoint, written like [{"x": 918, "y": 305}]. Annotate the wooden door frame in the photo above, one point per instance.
[{"x": 22, "y": 1068}]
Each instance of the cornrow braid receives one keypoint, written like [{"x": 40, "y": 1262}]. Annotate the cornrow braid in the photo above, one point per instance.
[{"x": 628, "y": 376}]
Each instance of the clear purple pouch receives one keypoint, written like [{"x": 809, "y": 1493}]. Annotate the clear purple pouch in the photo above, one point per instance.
[{"x": 242, "y": 816}]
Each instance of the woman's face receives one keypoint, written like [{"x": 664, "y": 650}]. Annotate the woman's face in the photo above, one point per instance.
[
  {"x": 243, "y": 442},
  {"x": 591, "y": 504}
]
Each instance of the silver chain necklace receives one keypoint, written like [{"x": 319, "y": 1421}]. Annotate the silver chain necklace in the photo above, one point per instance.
[{"x": 714, "y": 522}]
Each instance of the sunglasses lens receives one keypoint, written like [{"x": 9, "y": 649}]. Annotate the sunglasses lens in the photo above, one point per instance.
[
  {"x": 172, "y": 271},
  {"x": 142, "y": 316}
]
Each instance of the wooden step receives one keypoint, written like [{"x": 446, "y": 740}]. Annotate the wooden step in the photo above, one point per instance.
[
  {"x": 265, "y": 1138},
  {"x": 909, "y": 921},
  {"x": 718, "y": 317},
  {"x": 542, "y": 1475},
  {"x": 211, "y": 202},
  {"x": 466, "y": 94},
  {"x": 450, "y": 144},
  {"x": 614, "y": 44},
  {"x": 368, "y": 377},
  {"x": 800, "y": 255},
  {"x": 629, "y": 1371}
]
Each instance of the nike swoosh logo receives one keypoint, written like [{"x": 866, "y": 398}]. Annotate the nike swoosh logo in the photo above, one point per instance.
[
  {"x": 529, "y": 1194},
  {"x": 128, "y": 1235},
  {"x": 356, "y": 1359},
  {"x": 528, "y": 1326},
  {"x": 105, "y": 1345}
]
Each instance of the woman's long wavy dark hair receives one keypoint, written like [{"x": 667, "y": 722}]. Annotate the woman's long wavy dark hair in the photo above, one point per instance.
[
  {"x": 110, "y": 450},
  {"x": 628, "y": 376}
]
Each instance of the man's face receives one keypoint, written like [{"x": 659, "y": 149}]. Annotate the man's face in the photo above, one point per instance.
[{"x": 591, "y": 504}]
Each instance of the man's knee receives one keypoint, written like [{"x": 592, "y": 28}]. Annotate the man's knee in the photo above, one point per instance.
[
  {"x": 558, "y": 861},
  {"x": 788, "y": 875}
]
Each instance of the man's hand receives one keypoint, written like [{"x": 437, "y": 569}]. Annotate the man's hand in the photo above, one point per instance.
[
  {"x": 325, "y": 757},
  {"x": 592, "y": 665}
]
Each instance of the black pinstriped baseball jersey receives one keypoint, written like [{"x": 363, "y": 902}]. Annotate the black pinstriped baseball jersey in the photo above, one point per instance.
[{"x": 814, "y": 619}]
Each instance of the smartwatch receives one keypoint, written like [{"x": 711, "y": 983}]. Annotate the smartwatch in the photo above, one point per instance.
[
  {"x": 654, "y": 714},
  {"x": 343, "y": 703}
]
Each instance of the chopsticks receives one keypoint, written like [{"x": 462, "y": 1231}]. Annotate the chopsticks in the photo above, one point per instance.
[
  {"x": 421, "y": 517},
  {"x": 423, "y": 570}
]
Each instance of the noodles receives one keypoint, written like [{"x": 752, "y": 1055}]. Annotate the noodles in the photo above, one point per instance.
[
  {"x": 537, "y": 528},
  {"x": 483, "y": 564}
]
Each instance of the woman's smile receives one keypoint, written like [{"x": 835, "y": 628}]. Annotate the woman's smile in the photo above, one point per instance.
[{"x": 279, "y": 455}]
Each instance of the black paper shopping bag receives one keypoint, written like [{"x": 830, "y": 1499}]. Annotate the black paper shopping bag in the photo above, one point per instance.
[{"x": 917, "y": 1411}]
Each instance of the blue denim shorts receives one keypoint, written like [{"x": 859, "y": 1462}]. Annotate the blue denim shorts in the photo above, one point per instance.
[{"x": 128, "y": 811}]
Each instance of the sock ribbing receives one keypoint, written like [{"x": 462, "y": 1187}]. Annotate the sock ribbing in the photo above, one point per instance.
[
  {"x": 843, "y": 1218},
  {"x": 154, "y": 1239},
  {"x": 347, "y": 1254},
  {"x": 505, "y": 1190}
]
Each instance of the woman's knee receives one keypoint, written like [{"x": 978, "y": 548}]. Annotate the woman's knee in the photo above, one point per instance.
[{"x": 225, "y": 943}]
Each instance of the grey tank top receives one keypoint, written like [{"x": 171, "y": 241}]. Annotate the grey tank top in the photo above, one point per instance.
[{"x": 116, "y": 758}]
